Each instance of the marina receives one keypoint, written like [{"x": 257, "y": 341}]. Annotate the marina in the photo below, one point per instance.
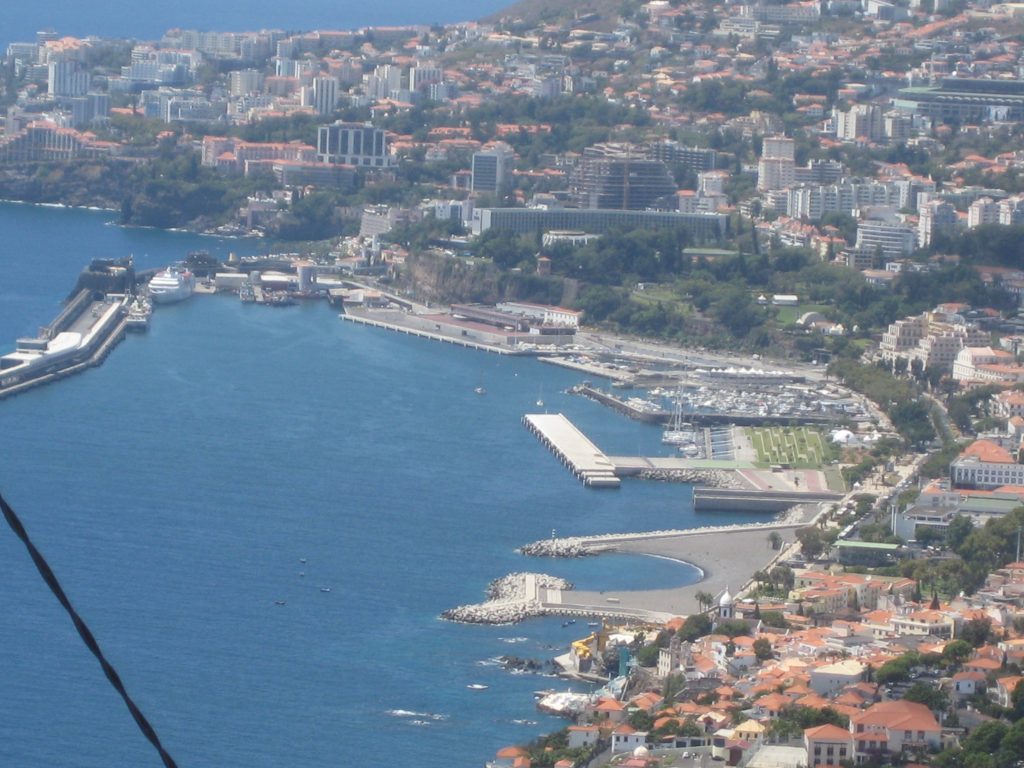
[{"x": 730, "y": 485}]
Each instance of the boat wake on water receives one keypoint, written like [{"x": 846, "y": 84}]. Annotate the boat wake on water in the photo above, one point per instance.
[{"x": 418, "y": 717}]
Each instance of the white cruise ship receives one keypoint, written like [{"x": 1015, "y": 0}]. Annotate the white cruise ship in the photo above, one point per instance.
[{"x": 173, "y": 284}]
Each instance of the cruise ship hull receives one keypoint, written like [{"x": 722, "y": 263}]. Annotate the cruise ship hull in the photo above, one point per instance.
[{"x": 170, "y": 286}]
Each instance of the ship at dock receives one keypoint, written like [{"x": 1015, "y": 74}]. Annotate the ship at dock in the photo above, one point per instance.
[
  {"x": 139, "y": 312},
  {"x": 172, "y": 285}
]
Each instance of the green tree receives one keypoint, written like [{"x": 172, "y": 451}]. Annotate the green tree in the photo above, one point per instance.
[
  {"x": 812, "y": 542},
  {"x": 763, "y": 649},
  {"x": 928, "y": 695},
  {"x": 957, "y": 651},
  {"x": 694, "y": 627}
]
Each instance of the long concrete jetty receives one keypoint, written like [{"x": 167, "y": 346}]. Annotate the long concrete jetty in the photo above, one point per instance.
[
  {"x": 573, "y": 449},
  {"x": 429, "y": 335}
]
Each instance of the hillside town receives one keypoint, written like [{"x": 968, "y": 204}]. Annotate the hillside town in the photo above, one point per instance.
[{"x": 834, "y": 185}]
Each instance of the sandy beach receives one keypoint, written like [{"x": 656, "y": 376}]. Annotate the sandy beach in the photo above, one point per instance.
[{"x": 727, "y": 557}]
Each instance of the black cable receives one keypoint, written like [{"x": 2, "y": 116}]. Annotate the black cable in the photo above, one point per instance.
[{"x": 84, "y": 632}]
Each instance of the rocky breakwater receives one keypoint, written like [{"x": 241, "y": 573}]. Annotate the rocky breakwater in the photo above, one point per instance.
[
  {"x": 510, "y": 599},
  {"x": 568, "y": 547},
  {"x": 713, "y": 478}
]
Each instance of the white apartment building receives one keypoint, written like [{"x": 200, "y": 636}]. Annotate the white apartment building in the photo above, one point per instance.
[
  {"x": 775, "y": 173},
  {"x": 892, "y": 238},
  {"x": 934, "y": 338},
  {"x": 861, "y": 121},
  {"x": 813, "y": 202},
  {"x": 982, "y": 211},
  {"x": 1011, "y": 211}
]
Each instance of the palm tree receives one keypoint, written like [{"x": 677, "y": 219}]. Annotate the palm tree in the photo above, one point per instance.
[
  {"x": 775, "y": 540},
  {"x": 705, "y": 600}
]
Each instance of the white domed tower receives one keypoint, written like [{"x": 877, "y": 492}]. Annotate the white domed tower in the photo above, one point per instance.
[{"x": 725, "y": 605}]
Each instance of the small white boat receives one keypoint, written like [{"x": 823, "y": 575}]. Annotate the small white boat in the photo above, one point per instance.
[
  {"x": 477, "y": 687},
  {"x": 480, "y": 390}
]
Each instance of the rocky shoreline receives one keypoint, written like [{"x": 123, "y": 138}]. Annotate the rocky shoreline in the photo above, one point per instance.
[{"x": 509, "y": 600}]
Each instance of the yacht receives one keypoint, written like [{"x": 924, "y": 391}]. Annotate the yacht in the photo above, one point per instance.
[{"x": 173, "y": 284}]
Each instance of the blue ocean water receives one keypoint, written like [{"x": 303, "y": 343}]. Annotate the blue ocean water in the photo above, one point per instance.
[
  {"x": 121, "y": 18},
  {"x": 178, "y": 488}
]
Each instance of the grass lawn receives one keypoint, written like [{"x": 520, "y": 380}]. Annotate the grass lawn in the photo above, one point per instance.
[
  {"x": 789, "y": 315},
  {"x": 798, "y": 447}
]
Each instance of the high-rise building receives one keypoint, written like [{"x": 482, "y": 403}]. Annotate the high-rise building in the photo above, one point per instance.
[
  {"x": 66, "y": 78},
  {"x": 935, "y": 217},
  {"x": 242, "y": 82},
  {"x": 777, "y": 167},
  {"x": 781, "y": 147},
  {"x": 619, "y": 177},
  {"x": 322, "y": 95},
  {"x": 352, "y": 144},
  {"x": 861, "y": 121},
  {"x": 492, "y": 169}
]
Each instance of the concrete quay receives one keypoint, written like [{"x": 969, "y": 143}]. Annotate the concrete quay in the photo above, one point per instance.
[
  {"x": 573, "y": 449},
  {"x": 409, "y": 331},
  {"x": 94, "y": 326}
]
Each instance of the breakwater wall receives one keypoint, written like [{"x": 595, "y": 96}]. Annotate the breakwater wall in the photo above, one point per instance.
[
  {"x": 584, "y": 546},
  {"x": 621, "y": 406},
  {"x": 715, "y": 478},
  {"x": 746, "y": 500},
  {"x": 510, "y": 599}
]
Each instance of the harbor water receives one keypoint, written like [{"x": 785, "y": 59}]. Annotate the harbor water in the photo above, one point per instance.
[{"x": 261, "y": 514}]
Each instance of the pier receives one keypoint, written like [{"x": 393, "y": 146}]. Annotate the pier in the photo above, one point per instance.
[
  {"x": 80, "y": 337},
  {"x": 721, "y": 484},
  {"x": 429, "y": 335},
  {"x": 584, "y": 459}
]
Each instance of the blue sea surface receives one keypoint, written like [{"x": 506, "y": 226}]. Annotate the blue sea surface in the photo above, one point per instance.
[
  {"x": 122, "y": 18},
  {"x": 236, "y": 456}
]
